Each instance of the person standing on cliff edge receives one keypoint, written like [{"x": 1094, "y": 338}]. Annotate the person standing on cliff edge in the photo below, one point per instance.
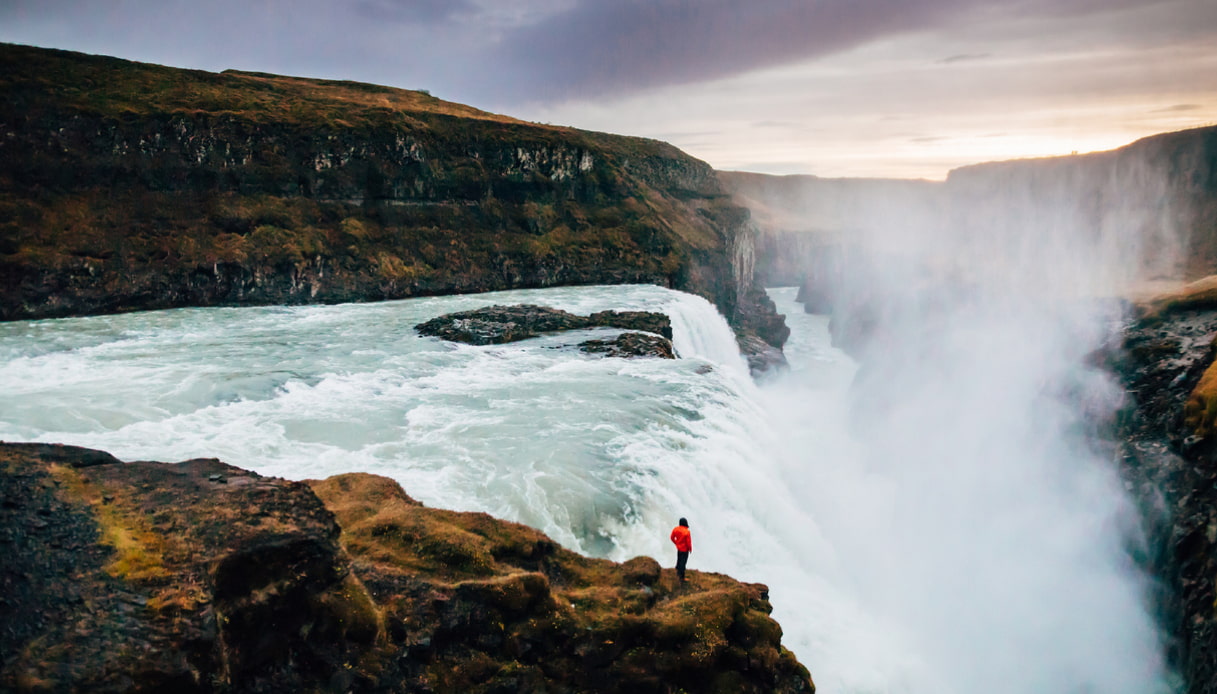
[{"x": 683, "y": 539}]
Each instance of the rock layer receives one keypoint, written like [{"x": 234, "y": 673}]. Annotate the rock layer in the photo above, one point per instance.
[
  {"x": 128, "y": 186},
  {"x": 202, "y": 577},
  {"x": 1169, "y": 457}
]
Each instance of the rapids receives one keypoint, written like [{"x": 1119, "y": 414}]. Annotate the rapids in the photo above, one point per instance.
[{"x": 905, "y": 552}]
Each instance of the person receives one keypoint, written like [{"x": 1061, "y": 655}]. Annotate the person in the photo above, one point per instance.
[{"x": 683, "y": 539}]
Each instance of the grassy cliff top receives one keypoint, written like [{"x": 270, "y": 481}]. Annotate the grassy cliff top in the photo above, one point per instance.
[
  {"x": 115, "y": 87},
  {"x": 33, "y": 79}
]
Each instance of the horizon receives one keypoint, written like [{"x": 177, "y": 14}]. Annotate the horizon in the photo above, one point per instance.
[{"x": 904, "y": 90}]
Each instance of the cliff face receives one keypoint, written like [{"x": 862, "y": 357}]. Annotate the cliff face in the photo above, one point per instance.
[
  {"x": 202, "y": 577},
  {"x": 1157, "y": 195},
  {"x": 127, "y": 186},
  {"x": 1169, "y": 455},
  {"x": 1151, "y": 206},
  {"x": 874, "y": 255}
]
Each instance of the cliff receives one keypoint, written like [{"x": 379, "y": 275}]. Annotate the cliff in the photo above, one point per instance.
[
  {"x": 1168, "y": 452},
  {"x": 202, "y": 577},
  {"x": 1151, "y": 205},
  {"x": 877, "y": 255},
  {"x": 126, "y": 186}
]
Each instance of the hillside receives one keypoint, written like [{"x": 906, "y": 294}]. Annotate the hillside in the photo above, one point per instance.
[{"x": 126, "y": 186}]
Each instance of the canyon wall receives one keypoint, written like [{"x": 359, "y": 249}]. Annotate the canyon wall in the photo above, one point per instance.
[
  {"x": 1124, "y": 222},
  {"x": 127, "y": 186}
]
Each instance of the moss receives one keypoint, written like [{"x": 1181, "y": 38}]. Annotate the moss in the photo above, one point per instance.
[
  {"x": 357, "y": 616},
  {"x": 139, "y": 552},
  {"x": 1200, "y": 410}
]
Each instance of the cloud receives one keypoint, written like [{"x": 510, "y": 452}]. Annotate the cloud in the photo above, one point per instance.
[
  {"x": 425, "y": 11},
  {"x": 964, "y": 58},
  {"x": 623, "y": 45},
  {"x": 1179, "y": 108},
  {"x": 595, "y": 48}
]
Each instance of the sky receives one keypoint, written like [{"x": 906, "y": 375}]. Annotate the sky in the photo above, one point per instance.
[{"x": 835, "y": 88}]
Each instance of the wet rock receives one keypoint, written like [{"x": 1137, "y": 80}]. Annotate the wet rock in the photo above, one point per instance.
[
  {"x": 501, "y": 324},
  {"x": 1169, "y": 461},
  {"x": 628, "y": 345},
  {"x": 763, "y": 358}
]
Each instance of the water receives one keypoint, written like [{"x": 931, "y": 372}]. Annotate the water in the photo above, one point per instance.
[{"x": 919, "y": 545}]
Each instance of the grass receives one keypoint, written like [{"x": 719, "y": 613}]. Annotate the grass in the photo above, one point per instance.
[
  {"x": 514, "y": 585},
  {"x": 125, "y": 89},
  {"x": 139, "y": 552}
]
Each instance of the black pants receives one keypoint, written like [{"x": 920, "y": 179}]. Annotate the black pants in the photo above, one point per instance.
[{"x": 682, "y": 558}]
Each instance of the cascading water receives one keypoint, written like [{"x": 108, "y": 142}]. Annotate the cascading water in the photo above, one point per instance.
[{"x": 954, "y": 536}]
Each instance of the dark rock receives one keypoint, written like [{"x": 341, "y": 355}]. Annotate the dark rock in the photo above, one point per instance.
[
  {"x": 500, "y": 324},
  {"x": 631, "y": 345},
  {"x": 193, "y": 598},
  {"x": 763, "y": 358},
  {"x": 74, "y": 456},
  {"x": 1172, "y": 472},
  {"x": 645, "y": 321},
  {"x": 252, "y": 587}
]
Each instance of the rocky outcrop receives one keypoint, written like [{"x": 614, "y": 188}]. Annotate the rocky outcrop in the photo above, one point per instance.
[
  {"x": 496, "y": 325},
  {"x": 1169, "y": 457},
  {"x": 202, "y": 577},
  {"x": 627, "y": 345},
  {"x": 127, "y": 186}
]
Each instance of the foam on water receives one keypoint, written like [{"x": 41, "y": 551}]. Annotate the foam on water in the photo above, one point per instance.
[{"x": 604, "y": 454}]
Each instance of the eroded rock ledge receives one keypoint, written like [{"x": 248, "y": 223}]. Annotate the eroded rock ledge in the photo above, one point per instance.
[
  {"x": 496, "y": 325},
  {"x": 1168, "y": 450},
  {"x": 201, "y": 577}
]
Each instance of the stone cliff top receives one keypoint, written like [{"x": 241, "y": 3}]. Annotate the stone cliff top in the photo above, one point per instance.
[{"x": 199, "y": 576}]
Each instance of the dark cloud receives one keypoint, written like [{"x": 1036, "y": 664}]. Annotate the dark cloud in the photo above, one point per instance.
[
  {"x": 1179, "y": 108},
  {"x": 620, "y": 45},
  {"x": 614, "y": 46},
  {"x": 506, "y": 55}
]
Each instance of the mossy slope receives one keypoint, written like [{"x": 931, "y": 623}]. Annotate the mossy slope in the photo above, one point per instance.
[{"x": 201, "y": 577}]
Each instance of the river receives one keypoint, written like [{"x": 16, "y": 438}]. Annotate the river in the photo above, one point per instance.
[{"x": 945, "y": 531}]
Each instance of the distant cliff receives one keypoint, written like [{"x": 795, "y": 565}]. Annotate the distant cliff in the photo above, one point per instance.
[
  {"x": 872, "y": 253},
  {"x": 1156, "y": 197},
  {"x": 127, "y": 186}
]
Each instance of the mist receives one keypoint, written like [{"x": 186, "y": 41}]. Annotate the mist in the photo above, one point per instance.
[{"x": 971, "y": 498}]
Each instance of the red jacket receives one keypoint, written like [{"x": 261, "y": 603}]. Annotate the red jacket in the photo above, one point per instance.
[{"x": 682, "y": 539}]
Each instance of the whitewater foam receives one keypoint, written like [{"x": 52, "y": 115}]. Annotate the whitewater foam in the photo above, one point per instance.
[{"x": 880, "y": 559}]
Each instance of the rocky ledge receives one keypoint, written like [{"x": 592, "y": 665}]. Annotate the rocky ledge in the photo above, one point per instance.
[
  {"x": 200, "y": 577},
  {"x": 1168, "y": 451},
  {"x": 496, "y": 325}
]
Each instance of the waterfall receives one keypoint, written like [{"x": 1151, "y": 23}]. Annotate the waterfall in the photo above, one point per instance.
[{"x": 939, "y": 539}]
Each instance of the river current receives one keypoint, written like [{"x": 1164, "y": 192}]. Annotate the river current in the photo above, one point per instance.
[{"x": 916, "y": 556}]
